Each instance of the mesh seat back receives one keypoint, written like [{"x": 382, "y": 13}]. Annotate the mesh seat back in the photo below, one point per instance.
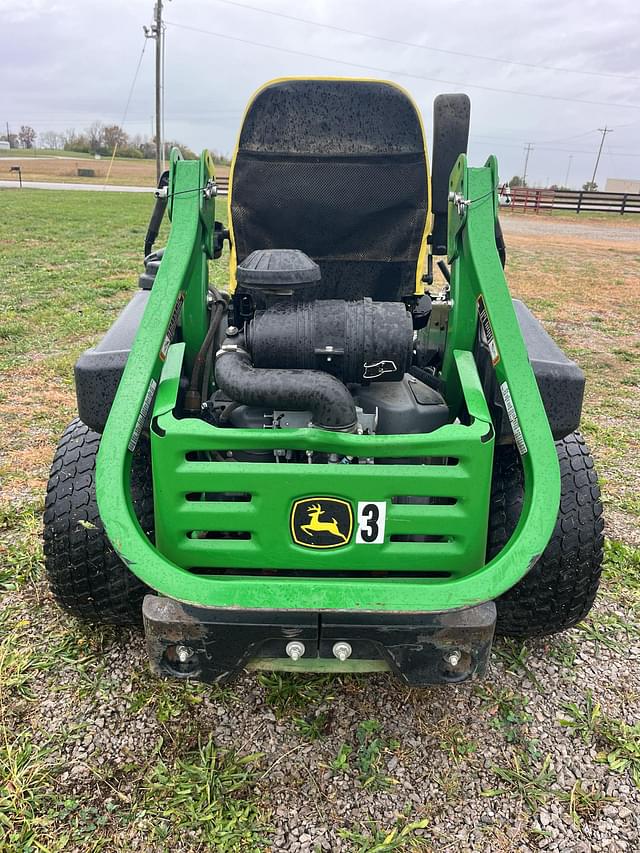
[{"x": 338, "y": 169}]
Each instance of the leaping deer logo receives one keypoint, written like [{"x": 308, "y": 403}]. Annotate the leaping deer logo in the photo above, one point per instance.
[{"x": 316, "y": 526}]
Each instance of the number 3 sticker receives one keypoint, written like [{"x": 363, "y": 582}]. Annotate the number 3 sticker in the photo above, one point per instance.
[{"x": 371, "y": 521}]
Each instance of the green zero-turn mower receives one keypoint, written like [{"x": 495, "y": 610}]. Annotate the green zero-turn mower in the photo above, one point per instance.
[{"x": 332, "y": 464}]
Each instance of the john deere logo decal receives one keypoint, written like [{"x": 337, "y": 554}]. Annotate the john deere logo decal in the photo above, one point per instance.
[{"x": 321, "y": 522}]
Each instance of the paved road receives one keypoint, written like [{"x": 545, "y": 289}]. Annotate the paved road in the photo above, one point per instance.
[{"x": 50, "y": 185}]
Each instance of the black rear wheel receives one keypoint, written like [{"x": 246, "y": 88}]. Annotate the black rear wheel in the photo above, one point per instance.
[
  {"x": 85, "y": 574},
  {"x": 560, "y": 589}
]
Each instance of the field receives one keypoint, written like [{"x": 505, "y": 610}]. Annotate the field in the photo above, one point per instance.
[
  {"x": 96, "y": 754},
  {"x": 62, "y": 166}
]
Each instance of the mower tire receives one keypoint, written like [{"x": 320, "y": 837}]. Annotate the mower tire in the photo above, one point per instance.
[
  {"x": 85, "y": 574},
  {"x": 560, "y": 589}
]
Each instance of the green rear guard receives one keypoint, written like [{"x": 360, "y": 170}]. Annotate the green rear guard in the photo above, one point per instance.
[{"x": 446, "y": 571}]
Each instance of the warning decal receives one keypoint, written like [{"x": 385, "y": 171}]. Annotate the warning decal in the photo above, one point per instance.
[
  {"x": 171, "y": 328},
  {"x": 486, "y": 332},
  {"x": 144, "y": 411},
  {"x": 513, "y": 419}
]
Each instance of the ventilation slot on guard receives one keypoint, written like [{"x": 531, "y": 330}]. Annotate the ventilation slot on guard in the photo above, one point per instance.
[
  {"x": 221, "y": 497},
  {"x": 218, "y": 534},
  {"x": 213, "y": 456},
  {"x": 420, "y": 499},
  {"x": 420, "y": 538},
  {"x": 301, "y": 573}
]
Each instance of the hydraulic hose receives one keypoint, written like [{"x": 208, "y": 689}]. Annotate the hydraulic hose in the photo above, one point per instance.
[
  {"x": 327, "y": 398},
  {"x": 193, "y": 396}
]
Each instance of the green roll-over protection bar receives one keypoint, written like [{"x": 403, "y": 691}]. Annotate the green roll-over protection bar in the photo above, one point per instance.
[{"x": 447, "y": 570}]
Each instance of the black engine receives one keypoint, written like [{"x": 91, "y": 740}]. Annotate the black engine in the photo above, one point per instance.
[{"x": 294, "y": 360}]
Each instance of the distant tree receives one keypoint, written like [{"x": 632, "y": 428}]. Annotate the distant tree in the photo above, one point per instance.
[
  {"x": 67, "y": 135},
  {"x": 129, "y": 151},
  {"x": 147, "y": 148},
  {"x": 516, "y": 181},
  {"x": 590, "y": 187},
  {"x": 187, "y": 153},
  {"x": 51, "y": 139},
  {"x": 27, "y": 136},
  {"x": 95, "y": 135},
  {"x": 77, "y": 142},
  {"x": 114, "y": 137},
  {"x": 218, "y": 157}
]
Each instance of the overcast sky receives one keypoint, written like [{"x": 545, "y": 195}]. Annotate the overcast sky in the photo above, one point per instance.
[{"x": 66, "y": 63}]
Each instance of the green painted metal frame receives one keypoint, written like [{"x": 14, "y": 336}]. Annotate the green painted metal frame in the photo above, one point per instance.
[
  {"x": 476, "y": 271},
  {"x": 274, "y": 488}
]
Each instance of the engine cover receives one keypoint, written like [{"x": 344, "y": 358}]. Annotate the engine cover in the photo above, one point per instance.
[{"x": 408, "y": 406}]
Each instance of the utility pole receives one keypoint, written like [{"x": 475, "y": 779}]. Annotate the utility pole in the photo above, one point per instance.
[
  {"x": 566, "y": 177},
  {"x": 528, "y": 149},
  {"x": 603, "y": 130},
  {"x": 156, "y": 32},
  {"x": 8, "y": 135}
]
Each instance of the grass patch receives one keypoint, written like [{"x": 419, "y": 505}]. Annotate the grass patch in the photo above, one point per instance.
[
  {"x": 401, "y": 836},
  {"x": 524, "y": 781},
  {"x": 621, "y": 572},
  {"x": 209, "y": 794},
  {"x": 507, "y": 710},
  {"x": 287, "y": 692},
  {"x": 25, "y": 793},
  {"x": 368, "y": 755},
  {"x": 618, "y": 742}
]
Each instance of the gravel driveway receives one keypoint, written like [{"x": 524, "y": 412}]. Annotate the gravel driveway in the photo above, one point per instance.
[
  {"x": 620, "y": 231},
  {"x": 487, "y": 766}
]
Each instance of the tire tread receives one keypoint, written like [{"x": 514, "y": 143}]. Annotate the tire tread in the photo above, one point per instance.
[
  {"x": 85, "y": 574},
  {"x": 560, "y": 589}
]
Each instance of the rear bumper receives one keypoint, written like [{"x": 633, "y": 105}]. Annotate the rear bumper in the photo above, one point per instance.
[{"x": 420, "y": 648}]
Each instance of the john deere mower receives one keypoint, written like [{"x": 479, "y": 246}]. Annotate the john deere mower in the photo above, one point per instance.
[{"x": 335, "y": 463}]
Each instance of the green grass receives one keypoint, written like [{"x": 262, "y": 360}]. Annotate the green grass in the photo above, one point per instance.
[
  {"x": 210, "y": 793},
  {"x": 523, "y": 779},
  {"x": 400, "y": 837},
  {"x": 43, "y": 152},
  {"x": 70, "y": 272},
  {"x": 618, "y": 743}
]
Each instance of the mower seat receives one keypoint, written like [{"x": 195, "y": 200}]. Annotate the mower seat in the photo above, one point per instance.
[{"x": 337, "y": 169}]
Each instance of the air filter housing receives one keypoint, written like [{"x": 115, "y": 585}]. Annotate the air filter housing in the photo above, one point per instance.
[{"x": 278, "y": 274}]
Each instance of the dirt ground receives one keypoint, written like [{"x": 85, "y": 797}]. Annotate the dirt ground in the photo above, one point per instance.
[
  {"x": 581, "y": 277},
  {"x": 124, "y": 172}
]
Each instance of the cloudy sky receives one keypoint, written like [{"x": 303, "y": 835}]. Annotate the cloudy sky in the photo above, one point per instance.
[{"x": 549, "y": 72}]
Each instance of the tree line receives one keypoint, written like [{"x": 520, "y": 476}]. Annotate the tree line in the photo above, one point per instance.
[
  {"x": 517, "y": 181},
  {"x": 98, "y": 138}
]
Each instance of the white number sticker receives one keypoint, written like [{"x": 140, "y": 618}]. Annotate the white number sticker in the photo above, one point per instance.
[{"x": 371, "y": 521}]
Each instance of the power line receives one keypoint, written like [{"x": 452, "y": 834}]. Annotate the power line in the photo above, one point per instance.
[
  {"x": 490, "y": 140},
  {"x": 126, "y": 110},
  {"x": 306, "y": 55},
  {"x": 389, "y": 40},
  {"x": 133, "y": 84}
]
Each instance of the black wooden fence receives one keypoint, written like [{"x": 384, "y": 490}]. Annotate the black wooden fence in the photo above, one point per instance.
[{"x": 578, "y": 201}]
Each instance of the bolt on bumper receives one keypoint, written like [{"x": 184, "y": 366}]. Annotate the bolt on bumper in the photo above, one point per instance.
[{"x": 215, "y": 644}]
